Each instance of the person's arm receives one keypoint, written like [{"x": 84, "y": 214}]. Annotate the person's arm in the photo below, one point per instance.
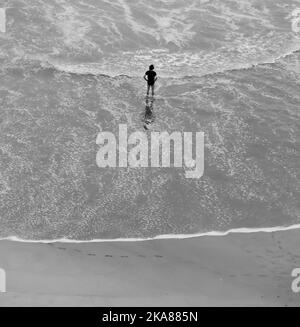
[{"x": 145, "y": 78}]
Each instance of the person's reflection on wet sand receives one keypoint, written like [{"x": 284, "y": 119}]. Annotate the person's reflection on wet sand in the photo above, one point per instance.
[{"x": 149, "y": 115}]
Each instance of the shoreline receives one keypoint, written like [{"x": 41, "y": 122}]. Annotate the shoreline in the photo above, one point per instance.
[
  {"x": 159, "y": 237},
  {"x": 235, "y": 270}
]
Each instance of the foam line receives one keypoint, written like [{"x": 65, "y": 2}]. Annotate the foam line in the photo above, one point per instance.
[{"x": 161, "y": 237}]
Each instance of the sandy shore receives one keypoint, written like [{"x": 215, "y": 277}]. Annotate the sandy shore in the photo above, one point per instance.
[{"x": 238, "y": 269}]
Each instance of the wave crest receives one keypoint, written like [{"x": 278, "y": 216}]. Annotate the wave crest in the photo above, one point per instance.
[{"x": 35, "y": 64}]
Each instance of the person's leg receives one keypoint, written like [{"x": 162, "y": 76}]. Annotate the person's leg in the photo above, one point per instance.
[
  {"x": 152, "y": 87},
  {"x": 148, "y": 88}
]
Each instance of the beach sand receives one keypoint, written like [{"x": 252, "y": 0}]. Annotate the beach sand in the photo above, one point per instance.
[{"x": 234, "y": 270}]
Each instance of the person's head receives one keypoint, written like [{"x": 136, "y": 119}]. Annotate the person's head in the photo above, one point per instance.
[{"x": 151, "y": 67}]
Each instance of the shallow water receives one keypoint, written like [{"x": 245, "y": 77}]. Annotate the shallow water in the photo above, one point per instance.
[{"x": 72, "y": 69}]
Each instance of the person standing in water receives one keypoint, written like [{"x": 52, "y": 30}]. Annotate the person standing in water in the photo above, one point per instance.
[{"x": 150, "y": 77}]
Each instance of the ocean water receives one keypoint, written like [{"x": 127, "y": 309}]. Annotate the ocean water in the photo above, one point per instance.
[{"x": 70, "y": 69}]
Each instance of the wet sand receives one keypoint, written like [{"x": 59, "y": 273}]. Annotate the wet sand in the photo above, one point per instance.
[{"x": 234, "y": 270}]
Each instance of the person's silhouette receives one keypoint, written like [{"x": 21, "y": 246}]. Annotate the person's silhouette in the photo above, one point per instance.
[{"x": 151, "y": 77}]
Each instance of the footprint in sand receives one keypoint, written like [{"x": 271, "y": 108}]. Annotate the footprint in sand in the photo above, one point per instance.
[
  {"x": 269, "y": 251},
  {"x": 247, "y": 275},
  {"x": 259, "y": 256}
]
